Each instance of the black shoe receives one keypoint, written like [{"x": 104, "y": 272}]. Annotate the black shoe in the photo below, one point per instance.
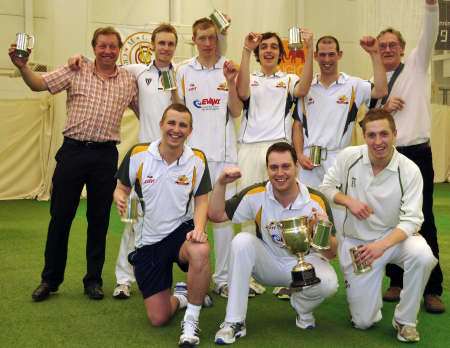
[
  {"x": 42, "y": 292},
  {"x": 94, "y": 292}
]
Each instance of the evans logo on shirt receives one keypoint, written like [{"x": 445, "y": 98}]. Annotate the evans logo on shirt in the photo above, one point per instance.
[{"x": 207, "y": 103}]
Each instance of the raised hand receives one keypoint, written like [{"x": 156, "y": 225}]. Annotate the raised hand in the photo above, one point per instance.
[
  {"x": 230, "y": 71},
  {"x": 394, "y": 104},
  {"x": 19, "y": 62},
  {"x": 252, "y": 40},
  {"x": 307, "y": 37},
  {"x": 229, "y": 175},
  {"x": 369, "y": 44}
]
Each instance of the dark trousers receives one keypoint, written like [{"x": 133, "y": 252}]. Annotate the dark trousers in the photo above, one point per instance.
[
  {"x": 78, "y": 164},
  {"x": 422, "y": 156}
]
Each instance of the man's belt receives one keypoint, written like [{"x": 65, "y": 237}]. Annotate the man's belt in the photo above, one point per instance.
[{"x": 90, "y": 144}]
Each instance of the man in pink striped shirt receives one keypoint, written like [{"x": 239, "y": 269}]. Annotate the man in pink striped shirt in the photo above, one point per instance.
[{"x": 97, "y": 96}]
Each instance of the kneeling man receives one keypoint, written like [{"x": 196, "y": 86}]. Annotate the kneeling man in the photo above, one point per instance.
[
  {"x": 264, "y": 256},
  {"x": 167, "y": 175},
  {"x": 382, "y": 192}
]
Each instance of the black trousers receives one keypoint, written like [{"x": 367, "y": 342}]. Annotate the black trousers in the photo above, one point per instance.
[
  {"x": 422, "y": 156},
  {"x": 78, "y": 163}
]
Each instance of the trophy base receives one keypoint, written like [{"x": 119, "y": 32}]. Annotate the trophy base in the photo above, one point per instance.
[{"x": 303, "y": 279}]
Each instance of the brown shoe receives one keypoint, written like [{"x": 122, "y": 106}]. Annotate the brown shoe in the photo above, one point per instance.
[
  {"x": 434, "y": 304},
  {"x": 392, "y": 294}
]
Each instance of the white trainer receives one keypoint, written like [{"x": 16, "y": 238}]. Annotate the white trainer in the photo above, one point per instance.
[
  {"x": 229, "y": 332},
  {"x": 406, "y": 333},
  {"x": 122, "y": 291},
  {"x": 305, "y": 321},
  {"x": 189, "y": 333}
]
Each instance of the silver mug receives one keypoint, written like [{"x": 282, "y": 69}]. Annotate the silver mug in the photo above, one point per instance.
[
  {"x": 219, "y": 20},
  {"x": 316, "y": 154},
  {"x": 295, "y": 39},
  {"x": 358, "y": 267},
  {"x": 132, "y": 214},
  {"x": 23, "y": 44},
  {"x": 321, "y": 237},
  {"x": 168, "y": 80}
]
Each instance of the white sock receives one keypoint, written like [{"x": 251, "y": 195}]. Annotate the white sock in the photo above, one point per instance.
[
  {"x": 192, "y": 312},
  {"x": 182, "y": 301}
]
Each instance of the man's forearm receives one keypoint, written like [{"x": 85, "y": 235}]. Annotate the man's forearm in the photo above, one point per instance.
[
  {"x": 303, "y": 86},
  {"x": 216, "y": 208},
  {"x": 201, "y": 212},
  {"x": 379, "y": 77},
  {"x": 234, "y": 102},
  {"x": 394, "y": 237},
  {"x": 243, "y": 80},
  {"x": 33, "y": 80}
]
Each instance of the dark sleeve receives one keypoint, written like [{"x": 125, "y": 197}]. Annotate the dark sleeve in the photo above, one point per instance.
[
  {"x": 232, "y": 204},
  {"x": 123, "y": 173},
  {"x": 205, "y": 183}
]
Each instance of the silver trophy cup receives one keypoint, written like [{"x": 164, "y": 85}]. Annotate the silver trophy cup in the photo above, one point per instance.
[
  {"x": 132, "y": 213},
  {"x": 168, "y": 80},
  {"x": 295, "y": 39},
  {"x": 317, "y": 154},
  {"x": 219, "y": 20},
  {"x": 24, "y": 42}
]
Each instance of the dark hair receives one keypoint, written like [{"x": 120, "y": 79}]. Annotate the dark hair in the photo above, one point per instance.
[
  {"x": 394, "y": 32},
  {"x": 164, "y": 28},
  {"x": 177, "y": 107},
  {"x": 375, "y": 115},
  {"x": 327, "y": 39},
  {"x": 281, "y": 147},
  {"x": 105, "y": 31},
  {"x": 268, "y": 35},
  {"x": 203, "y": 24}
]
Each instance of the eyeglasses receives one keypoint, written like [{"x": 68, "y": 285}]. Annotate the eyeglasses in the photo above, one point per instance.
[{"x": 392, "y": 45}]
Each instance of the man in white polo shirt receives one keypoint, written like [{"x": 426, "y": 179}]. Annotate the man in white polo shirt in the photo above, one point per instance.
[
  {"x": 268, "y": 96},
  {"x": 326, "y": 115},
  {"x": 264, "y": 255},
  {"x": 206, "y": 85},
  {"x": 169, "y": 177},
  {"x": 409, "y": 103},
  {"x": 382, "y": 192}
]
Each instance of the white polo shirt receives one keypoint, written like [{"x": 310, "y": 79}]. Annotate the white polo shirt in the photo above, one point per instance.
[
  {"x": 153, "y": 100},
  {"x": 395, "y": 194},
  {"x": 258, "y": 203},
  {"x": 329, "y": 114},
  {"x": 167, "y": 190},
  {"x": 268, "y": 112},
  {"x": 205, "y": 93}
]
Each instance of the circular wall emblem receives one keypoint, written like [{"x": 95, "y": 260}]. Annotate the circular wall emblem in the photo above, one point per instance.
[{"x": 136, "y": 49}]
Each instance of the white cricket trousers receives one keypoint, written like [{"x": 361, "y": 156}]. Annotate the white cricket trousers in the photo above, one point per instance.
[
  {"x": 250, "y": 256},
  {"x": 364, "y": 290},
  {"x": 124, "y": 271}
]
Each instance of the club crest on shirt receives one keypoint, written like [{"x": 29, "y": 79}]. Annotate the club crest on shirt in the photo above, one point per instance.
[
  {"x": 182, "y": 180},
  {"x": 342, "y": 100},
  {"x": 192, "y": 87},
  {"x": 148, "y": 80},
  {"x": 254, "y": 83},
  {"x": 310, "y": 101},
  {"x": 149, "y": 180},
  {"x": 222, "y": 86},
  {"x": 280, "y": 84}
]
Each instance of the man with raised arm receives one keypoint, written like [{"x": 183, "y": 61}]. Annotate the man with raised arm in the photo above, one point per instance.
[
  {"x": 264, "y": 256},
  {"x": 409, "y": 103},
  {"x": 97, "y": 96}
]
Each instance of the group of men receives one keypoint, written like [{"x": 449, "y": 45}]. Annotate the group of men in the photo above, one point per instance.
[{"x": 188, "y": 150}]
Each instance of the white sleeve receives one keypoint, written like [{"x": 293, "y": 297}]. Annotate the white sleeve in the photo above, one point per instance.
[
  {"x": 363, "y": 92},
  {"x": 427, "y": 37},
  {"x": 411, "y": 216}
]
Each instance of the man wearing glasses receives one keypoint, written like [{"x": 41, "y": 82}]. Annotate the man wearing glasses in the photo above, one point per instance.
[{"x": 408, "y": 101}]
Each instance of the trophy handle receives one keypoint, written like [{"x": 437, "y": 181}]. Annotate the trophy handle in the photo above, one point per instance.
[
  {"x": 32, "y": 41},
  {"x": 325, "y": 150}
]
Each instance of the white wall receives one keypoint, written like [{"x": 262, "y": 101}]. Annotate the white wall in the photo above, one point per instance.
[{"x": 64, "y": 27}]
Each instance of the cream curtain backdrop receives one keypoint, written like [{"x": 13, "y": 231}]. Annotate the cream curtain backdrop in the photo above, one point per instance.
[{"x": 32, "y": 122}]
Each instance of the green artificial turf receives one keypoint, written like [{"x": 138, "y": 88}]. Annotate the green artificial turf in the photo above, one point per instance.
[{"x": 69, "y": 319}]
